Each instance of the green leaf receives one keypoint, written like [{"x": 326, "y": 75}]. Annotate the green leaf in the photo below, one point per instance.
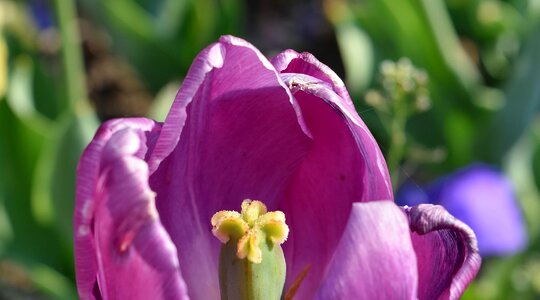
[
  {"x": 54, "y": 181},
  {"x": 170, "y": 17},
  {"x": 20, "y": 89},
  {"x": 519, "y": 165},
  {"x": 131, "y": 18},
  {"x": 20, "y": 146},
  {"x": 422, "y": 31},
  {"x": 522, "y": 103},
  {"x": 55, "y": 284},
  {"x": 357, "y": 53},
  {"x": 20, "y": 93}
]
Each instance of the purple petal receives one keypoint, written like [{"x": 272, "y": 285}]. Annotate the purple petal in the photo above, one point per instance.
[
  {"x": 121, "y": 248},
  {"x": 218, "y": 70},
  {"x": 375, "y": 258},
  {"x": 290, "y": 61},
  {"x": 344, "y": 166},
  {"x": 303, "y": 73},
  {"x": 483, "y": 198},
  {"x": 87, "y": 177},
  {"x": 239, "y": 136},
  {"x": 446, "y": 250}
]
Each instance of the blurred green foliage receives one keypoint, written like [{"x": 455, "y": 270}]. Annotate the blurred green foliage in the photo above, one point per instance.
[{"x": 482, "y": 58}]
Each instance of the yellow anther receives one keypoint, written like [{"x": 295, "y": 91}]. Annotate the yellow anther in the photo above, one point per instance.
[
  {"x": 229, "y": 228},
  {"x": 273, "y": 216},
  {"x": 248, "y": 246},
  {"x": 251, "y": 210},
  {"x": 249, "y": 228},
  {"x": 273, "y": 225},
  {"x": 224, "y": 214}
]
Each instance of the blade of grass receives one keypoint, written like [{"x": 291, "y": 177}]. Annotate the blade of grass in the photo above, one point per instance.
[
  {"x": 131, "y": 18},
  {"x": 71, "y": 51}
]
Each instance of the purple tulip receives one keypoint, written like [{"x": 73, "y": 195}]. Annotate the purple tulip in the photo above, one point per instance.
[
  {"x": 481, "y": 197},
  {"x": 284, "y": 132}
]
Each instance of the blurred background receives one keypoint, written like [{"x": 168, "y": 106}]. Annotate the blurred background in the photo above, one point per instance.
[{"x": 449, "y": 88}]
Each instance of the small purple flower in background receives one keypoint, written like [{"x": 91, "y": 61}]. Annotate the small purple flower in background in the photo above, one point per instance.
[
  {"x": 481, "y": 197},
  {"x": 41, "y": 14},
  {"x": 284, "y": 132}
]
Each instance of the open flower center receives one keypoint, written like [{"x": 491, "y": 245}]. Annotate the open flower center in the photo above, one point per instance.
[{"x": 249, "y": 228}]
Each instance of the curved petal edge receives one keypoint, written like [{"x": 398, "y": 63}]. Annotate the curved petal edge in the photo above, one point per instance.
[
  {"x": 447, "y": 252},
  {"x": 121, "y": 248}
]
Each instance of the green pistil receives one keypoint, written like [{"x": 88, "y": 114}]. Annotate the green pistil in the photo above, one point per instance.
[{"x": 251, "y": 263}]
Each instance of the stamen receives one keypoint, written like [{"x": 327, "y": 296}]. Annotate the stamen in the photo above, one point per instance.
[
  {"x": 248, "y": 246},
  {"x": 251, "y": 210},
  {"x": 249, "y": 228}
]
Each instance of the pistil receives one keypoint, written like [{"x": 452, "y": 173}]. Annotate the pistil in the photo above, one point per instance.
[{"x": 252, "y": 264}]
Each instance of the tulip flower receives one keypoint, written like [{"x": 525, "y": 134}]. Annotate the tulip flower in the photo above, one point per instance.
[
  {"x": 483, "y": 198},
  {"x": 151, "y": 196}
]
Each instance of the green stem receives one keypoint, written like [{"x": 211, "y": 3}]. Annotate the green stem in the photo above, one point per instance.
[
  {"x": 71, "y": 52},
  {"x": 396, "y": 148}
]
